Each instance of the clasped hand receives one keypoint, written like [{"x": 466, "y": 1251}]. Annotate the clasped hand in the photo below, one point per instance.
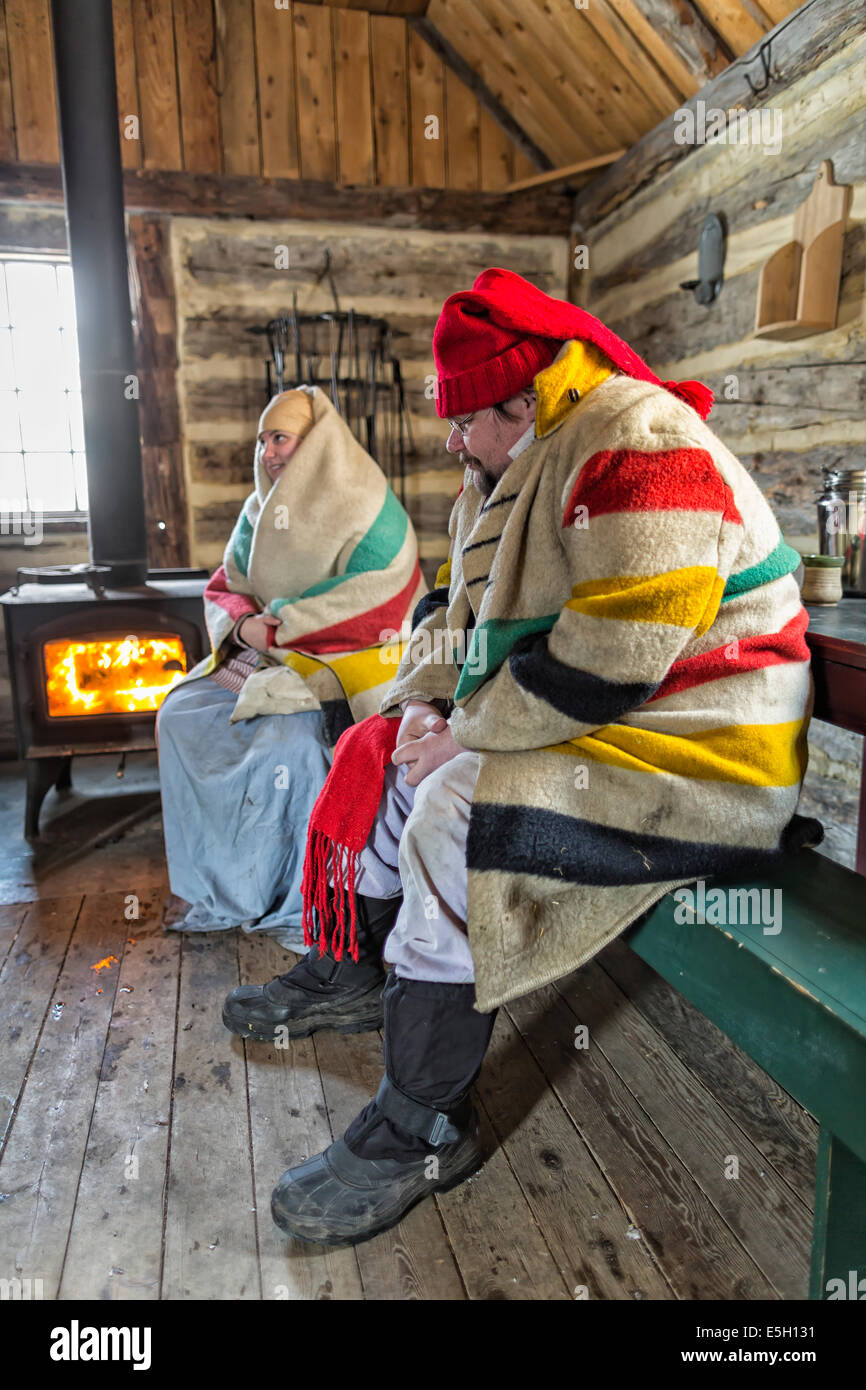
[{"x": 424, "y": 742}]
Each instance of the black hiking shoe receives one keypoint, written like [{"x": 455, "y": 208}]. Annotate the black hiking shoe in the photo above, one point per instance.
[
  {"x": 320, "y": 992},
  {"x": 418, "y": 1135},
  {"x": 337, "y": 1198}
]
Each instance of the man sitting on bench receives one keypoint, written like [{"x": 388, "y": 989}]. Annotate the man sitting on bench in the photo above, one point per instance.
[{"x": 605, "y": 697}]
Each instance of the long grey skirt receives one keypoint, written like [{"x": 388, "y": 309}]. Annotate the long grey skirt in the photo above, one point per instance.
[{"x": 236, "y": 800}]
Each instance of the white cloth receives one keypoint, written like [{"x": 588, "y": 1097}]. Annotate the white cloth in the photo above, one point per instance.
[{"x": 418, "y": 841}]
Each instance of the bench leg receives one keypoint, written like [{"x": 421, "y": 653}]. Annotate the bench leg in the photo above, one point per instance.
[{"x": 839, "y": 1237}]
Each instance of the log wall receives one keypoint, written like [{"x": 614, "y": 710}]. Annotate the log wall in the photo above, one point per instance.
[
  {"x": 784, "y": 408},
  {"x": 226, "y": 283}
]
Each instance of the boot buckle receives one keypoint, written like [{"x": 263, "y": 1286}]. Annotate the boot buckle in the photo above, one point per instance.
[{"x": 423, "y": 1121}]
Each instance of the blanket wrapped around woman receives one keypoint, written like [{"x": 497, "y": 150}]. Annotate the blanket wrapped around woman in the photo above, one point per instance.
[{"x": 247, "y": 738}]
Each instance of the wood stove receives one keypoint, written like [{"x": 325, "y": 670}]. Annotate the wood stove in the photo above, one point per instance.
[
  {"x": 89, "y": 666},
  {"x": 94, "y": 648}
]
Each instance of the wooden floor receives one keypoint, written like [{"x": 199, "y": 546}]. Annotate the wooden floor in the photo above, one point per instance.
[{"x": 141, "y": 1140}]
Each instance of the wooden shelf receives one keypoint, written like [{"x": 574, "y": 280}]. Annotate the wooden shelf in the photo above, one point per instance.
[{"x": 798, "y": 293}]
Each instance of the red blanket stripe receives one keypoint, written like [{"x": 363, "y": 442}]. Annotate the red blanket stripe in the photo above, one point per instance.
[
  {"x": 768, "y": 649},
  {"x": 633, "y": 480},
  {"x": 218, "y": 592},
  {"x": 364, "y": 629}
]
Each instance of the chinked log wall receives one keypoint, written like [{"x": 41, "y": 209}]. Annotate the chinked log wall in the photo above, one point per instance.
[
  {"x": 226, "y": 283},
  {"x": 801, "y": 404}
]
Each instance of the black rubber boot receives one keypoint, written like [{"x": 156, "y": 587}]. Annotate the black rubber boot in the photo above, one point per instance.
[
  {"x": 320, "y": 992},
  {"x": 420, "y": 1133}
]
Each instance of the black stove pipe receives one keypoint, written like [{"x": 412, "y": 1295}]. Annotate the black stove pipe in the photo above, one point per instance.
[{"x": 93, "y": 189}]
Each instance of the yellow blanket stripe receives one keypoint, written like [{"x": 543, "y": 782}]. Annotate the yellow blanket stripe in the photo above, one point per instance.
[
  {"x": 356, "y": 671},
  {"x": 687, "y": 597},
  {"x": 756, "y": 755}
]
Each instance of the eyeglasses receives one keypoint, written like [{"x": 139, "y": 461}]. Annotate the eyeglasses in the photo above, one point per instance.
[{"x": 460, "y": 425}]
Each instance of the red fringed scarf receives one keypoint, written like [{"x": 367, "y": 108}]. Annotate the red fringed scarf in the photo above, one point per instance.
[{"x": 340, "y": 826}]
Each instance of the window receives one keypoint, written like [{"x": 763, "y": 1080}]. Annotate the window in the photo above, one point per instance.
[{"x": 41, "y": 427}]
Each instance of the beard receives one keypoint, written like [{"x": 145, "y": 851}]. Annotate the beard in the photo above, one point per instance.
[{"x": 484, "y": 480}]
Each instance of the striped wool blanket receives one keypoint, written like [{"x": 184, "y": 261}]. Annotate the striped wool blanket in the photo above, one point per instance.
[
  {"x": 636, "y": 678},
  {"x": 330, "y": 551}
]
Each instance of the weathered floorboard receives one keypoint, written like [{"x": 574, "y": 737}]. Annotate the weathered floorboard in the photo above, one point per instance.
[
  {"x": 120, "y": 1194},
  {"x": 289, "y": 1123},
  {"x": 211, "y": 1247},
  {"x": 42, "y": 1159}
]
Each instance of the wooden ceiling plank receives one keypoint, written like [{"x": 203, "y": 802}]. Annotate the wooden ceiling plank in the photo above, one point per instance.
[
  {"x": 199, "y": 106},
  {"x": 156, "y": 63},
  {"x": 461, "y": 142},
  {"x": 31, "y": 70},
  {"x": 315, "y": 87},
  {"x": 595, "y": 71},
  {"x": 275, "y": 75},
  {"x": 390, "y": 99},
  {"x": 540, "y": 63},
  {"x": 660, "y": 88},
  {"x": 426, "y": 101},
  {"x": 470, "y": 32},
  {"x": 486, "y": 100},
  {"x": 687, "y": 82},
  {"x": 354, "y": 104},
  {"x": 674, "y": 33},
  {"x": 733, "y": 23},
  {"x": 127, "y": 83},
  {"x": 495, "y": 153},
  {"x": 236, "y": 85},
  {"x": 777, "y": 10}
]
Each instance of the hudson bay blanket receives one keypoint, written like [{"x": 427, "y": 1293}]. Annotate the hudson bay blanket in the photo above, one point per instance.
[
  {"x": 330, "y": 551},
  {"x": 636, "y": 677}
]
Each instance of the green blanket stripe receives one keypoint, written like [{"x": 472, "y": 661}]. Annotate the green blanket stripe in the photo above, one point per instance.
[
  {"x": 241, "y": 543},
  {"x": 374, "y": 551},
  {"x": 500, "y": 635},
  {"x": 781, "y": 561}
]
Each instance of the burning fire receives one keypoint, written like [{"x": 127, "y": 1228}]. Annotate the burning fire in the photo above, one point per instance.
[{"x": 120, "y": 676}]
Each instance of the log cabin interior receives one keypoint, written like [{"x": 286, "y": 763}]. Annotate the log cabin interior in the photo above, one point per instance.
[{"x": 208, "y": 203}]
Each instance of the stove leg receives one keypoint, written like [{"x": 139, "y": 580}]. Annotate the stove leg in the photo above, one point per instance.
[
  {"x": 42, "y": 775},
  {"x": 64, "y": 780}
]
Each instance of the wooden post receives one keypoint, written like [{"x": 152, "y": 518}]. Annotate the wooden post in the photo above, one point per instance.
[{"x": 156, "y": 350}]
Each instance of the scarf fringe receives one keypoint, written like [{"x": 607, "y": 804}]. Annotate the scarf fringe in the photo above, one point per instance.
[{"x": 324, "y": 853}]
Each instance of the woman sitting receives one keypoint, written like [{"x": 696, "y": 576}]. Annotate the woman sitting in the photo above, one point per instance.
[{"x": 319, "y": 575}]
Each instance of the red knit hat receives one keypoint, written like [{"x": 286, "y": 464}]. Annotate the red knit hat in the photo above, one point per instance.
[{"x": 491, "y": 341}]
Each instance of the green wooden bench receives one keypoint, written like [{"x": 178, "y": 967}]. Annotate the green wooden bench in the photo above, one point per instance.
[{"x": 795, "y": 1001}]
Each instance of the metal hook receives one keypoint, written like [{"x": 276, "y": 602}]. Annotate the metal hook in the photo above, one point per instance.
[{"x": 764, "y": 55}]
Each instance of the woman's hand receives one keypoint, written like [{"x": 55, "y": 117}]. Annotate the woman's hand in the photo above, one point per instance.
[
  {"x": 419, "y": 718},
  {"x": 254, "y": 630},
  {"x": 423, "y": 755}
]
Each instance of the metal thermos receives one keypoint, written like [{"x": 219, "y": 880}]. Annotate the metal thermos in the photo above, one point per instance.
[{"x": 842, "y": 523}]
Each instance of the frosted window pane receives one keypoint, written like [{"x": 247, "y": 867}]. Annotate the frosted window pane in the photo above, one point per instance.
[
  {"x": 70, "y": 376},
  {"x": 76, "y": 422},
  {"x": 32, "y": 295},
  {"x": 10, "y": 435},
  {"x": 49, "y": 482},
  {"x": 80, "y": 470},
  {"x": 66, "y": 297},
  {"x": 37, "y": 358},
  {"x": 13, "y": 493},
  {"x": 7, "y": 380},
  {"x": 44, "y": 421},
  {"x": 4, "y": 303}
]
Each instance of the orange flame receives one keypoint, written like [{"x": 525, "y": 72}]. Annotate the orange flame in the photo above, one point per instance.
[{"x": 119, "y": 676}]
